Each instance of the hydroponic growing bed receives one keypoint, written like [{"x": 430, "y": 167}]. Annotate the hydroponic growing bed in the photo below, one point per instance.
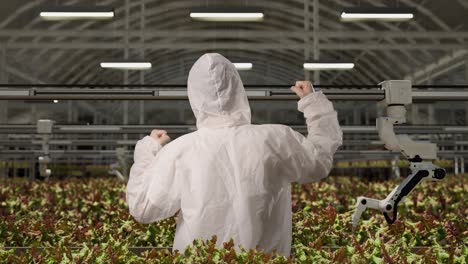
[{"x": 87, "y": 220}]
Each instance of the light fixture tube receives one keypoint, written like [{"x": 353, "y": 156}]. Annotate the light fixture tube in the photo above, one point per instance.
[
  {"x": 126, "y": 65},
  {"x": 75, "y": 15},
  {"x": 315, "y": 66},
  {"x": 384, "y": 14},
  {"x": 228, "y": 14},
  {"x": 243, "y": 66}
]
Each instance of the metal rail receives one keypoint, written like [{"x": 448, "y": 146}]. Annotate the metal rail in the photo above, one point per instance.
[
  {"x": 184, "y": 129},
  {"x": 111, "y": 153},
  {"x": 167, "y": 94},
  {"x": 44, "y": 94},
  {"x": 119, "y": 142},
  {"x": 247, "y": 86}
]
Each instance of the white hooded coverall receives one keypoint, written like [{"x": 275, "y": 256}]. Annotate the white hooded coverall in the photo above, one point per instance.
[{"x": 231, "y": 178}]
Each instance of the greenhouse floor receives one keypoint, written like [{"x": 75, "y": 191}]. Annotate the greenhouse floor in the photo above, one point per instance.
[{"x": 87, "y": 220}]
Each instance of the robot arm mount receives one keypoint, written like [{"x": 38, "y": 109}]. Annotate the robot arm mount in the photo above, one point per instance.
[{"x": 420, "y": 154}]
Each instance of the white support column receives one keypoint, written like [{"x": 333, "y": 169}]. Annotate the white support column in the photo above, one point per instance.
[{"x": 316, "y": 15}]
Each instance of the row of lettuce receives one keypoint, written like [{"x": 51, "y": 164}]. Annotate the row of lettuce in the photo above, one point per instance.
[{"x": 83, "y": 220}]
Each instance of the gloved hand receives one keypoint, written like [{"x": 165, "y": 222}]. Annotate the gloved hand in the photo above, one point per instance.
[
  {"x": 161, "y": 136},
  {"x": 303, "y": 88}
]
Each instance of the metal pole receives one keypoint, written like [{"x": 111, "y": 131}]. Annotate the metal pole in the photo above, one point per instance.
[
  {"x": 356, "y": 116},
  {"x": 32, "y": 169},
  {"x": 462, "y": 164},
  {"x": 307, "y": 36},
  {"x": 316, "y": 16},
  {"x": 3, "y": 104},
  {"x": 142, "y": 74},
  {"x": 466, "y": 81},
  {"x": 125, "y": 103},
  {"x": 3, "y": 79}
]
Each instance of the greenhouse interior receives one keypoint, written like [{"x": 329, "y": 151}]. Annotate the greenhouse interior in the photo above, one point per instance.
[{"x": 289, "y": 131}]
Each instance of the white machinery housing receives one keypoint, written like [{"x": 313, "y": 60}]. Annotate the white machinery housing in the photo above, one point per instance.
[
  {"x": 44, "y": 129},
  {"x": 120, "y": 164},
  {"x": 420, "y": 154}
]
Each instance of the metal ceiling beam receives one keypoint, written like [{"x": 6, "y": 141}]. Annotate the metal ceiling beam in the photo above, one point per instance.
[
  {"x": 236, "y": 34},
  {"x": 184, "y": 129},
  {"x": 274, "y": 8},
  {"x": 27, "y": 77},
  {"x": 111, "y": 153},
  {"x": 22, "y": 75},
  {"x": 92, "y": 45},
  {"x": 118, "y": 142},
  {"x": 463, "y": 3},
  {"x": 160, "y": 20},
  {"x": 391, "y": 58},
  {"x": 447, "y": 63},
  {"x": 182, "y": 6},
  {"x": 181, "y": 94},
  {"x": 282, "y": 15}
]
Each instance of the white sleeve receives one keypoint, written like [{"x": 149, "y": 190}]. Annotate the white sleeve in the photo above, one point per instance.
[
  {"x": 311, "y": 158},
  {"x": 151, "y": 190}
]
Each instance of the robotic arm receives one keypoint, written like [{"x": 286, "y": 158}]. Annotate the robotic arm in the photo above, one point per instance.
[
  {"x": 121, "y": 163},
  {"x": 420, "y": 154},
  {"x": 44, "y": 128}
]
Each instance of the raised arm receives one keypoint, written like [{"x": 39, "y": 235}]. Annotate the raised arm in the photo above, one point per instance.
[
  {"x": 311, "y": 158},
  {"x": 151, "y": 189}
]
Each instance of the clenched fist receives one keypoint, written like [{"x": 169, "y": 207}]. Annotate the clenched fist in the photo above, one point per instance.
[
  {"x": 303, "y": 88},
  {"x": 161, "y": 136}
]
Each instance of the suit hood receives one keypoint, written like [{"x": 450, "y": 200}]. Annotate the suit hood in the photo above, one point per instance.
[{"x": 216, "y": 93}]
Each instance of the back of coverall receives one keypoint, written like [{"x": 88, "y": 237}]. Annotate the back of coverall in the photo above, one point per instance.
[{"x": 231, "y": 178}]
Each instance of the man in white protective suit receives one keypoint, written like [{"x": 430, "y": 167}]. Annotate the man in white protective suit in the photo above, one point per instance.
[{"x": 231, "y": 178}]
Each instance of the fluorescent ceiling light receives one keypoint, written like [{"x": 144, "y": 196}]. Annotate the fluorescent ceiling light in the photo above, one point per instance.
[
  {"x": 56, "y": 101},
  {"x": 373, "y": 16},
  {"x": 126, "y": 65},
  {"x": 243, "y": 66},
  {"x": 233, "y": 17},
  {"x": 232, "y": 14},
  {"x": 314, "y": 66},
  {"x": 76, "y": 15},
  {"x": 74, "y": 12},
  {"x": 385, "y": 14}
]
